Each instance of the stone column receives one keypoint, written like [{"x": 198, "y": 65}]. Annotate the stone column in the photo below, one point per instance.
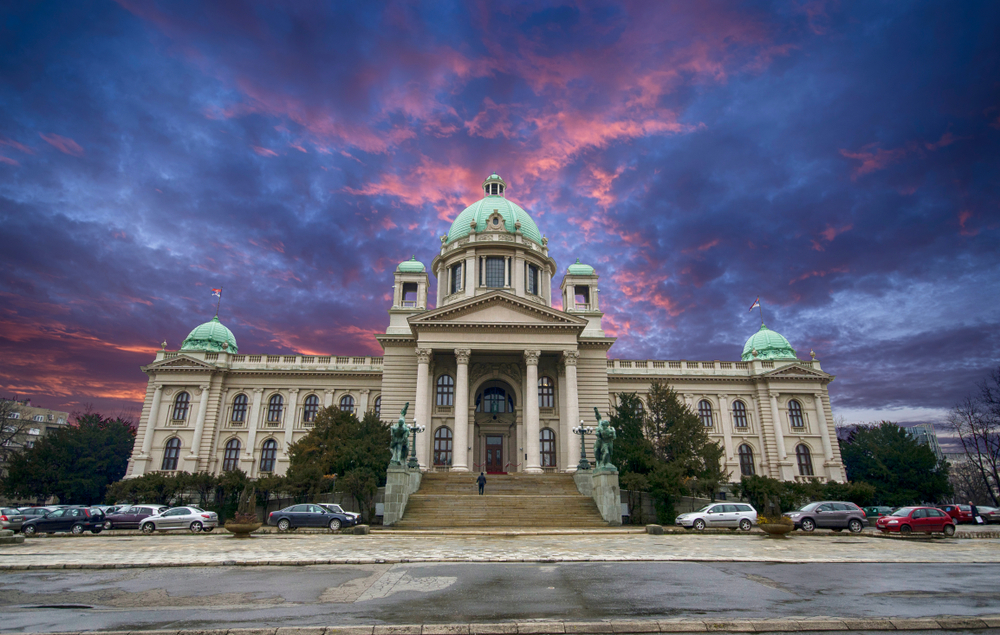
[
  {"x": 460, "y": 462},
  {"x": 506, "y": 272},
  {"x": 824, "y": 429},
  {"x": 154, "y": 414},
  {"x": 421, "y": 413},
  {"x": 727, "y": 432},
  {"x": 290, "y": 416},
  {"x": 779, "y": 435},
  {"x": 199, "y": 425},
  {"x": 440, "y": 288},
  {"x": 570, "y": 358},
  {"x": 363, "y": 402},
  {"x": 252, "y": 423},
  {"x": 531, "y": 432},
  {"x": 564, "y": 458},
  {"x": 470, "y": 275}
]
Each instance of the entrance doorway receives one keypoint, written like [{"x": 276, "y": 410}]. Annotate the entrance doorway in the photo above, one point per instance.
[{"x": 494, "y": 454}]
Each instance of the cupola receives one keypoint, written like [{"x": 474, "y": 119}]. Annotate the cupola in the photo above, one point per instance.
[{"x": 494, "y": 185}]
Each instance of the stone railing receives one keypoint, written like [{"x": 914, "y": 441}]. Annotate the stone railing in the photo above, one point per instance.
[
  {"x": 689, "y": 367},
  {"x": 283, "y": 362}
]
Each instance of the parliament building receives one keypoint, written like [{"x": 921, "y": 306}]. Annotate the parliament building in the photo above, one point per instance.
[{"x": 497, "y": 376}]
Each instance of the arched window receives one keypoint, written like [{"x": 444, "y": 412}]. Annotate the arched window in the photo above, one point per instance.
[
  {"x": 546, "y": 393},
  {"x": 795, "y": 414},
  {"x": 170, "y": 454},
  {"x": 268, "y": 453},
  {"x": 805, "y": 460},
  {"x": 547, "y": 447},
  {"x": 181, "y": 403},
  {"x": 746, "y": 460},
  {"x": 739, "y": 414},
  {"x": 442, "y": 446},
  {"x": 378, "y": 406},
  {"x": 347, "y": 403},
  {"x": 239, "y": 408},
  {"x": 310, "y": 409},
  {"x": 494, "y": 399},
  {"x": 445, "y": 391},
  {"x": 640, "y": 408},
  {"x": 231, "y": 459},
  {"x": 705, "y": 413},
  {"x": 274, "y": 407}
]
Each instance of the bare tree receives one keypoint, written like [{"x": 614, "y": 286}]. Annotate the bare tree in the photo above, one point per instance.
[
  {"x": 968, "y": 484},
  {"x": 976, "y": 422},
  {"x": 13, "y": 430}
]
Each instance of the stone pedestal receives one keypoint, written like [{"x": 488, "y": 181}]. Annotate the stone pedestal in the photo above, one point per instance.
[
  {"x": 7, "y": 537},
  {"x": 400, "y": 482},
  {"x": 602, "y": 486},
  {"x": 584, "y": 480}
]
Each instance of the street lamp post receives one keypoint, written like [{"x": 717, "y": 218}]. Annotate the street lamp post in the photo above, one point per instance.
[
  {"x": 583, "y": 431},
  {"x": 413, "y": 462}
]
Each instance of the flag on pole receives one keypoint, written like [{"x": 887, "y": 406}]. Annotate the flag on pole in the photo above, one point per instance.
[
  {"x": 217, "y": 293},
  {"x": 756, "y": 303}
]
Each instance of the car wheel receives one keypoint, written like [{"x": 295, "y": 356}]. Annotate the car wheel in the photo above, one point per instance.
[
  {"x": 855, "y": 526},
  {"x": 196, "y": 527},
  {"x": 148, "y": 528},
  {"x": 949, "y": 530},
  {"x": 108, "y": 525},
  {"x": 28, "y": 531},
  {"x": 699, "y": 524},
  {"x": 335, "y": 525},
  {"x": 905, "y": 530},
  {"x": 745, "y": 524},
  {"x": 77, "y": 529},
  {"x": 808, "y": 524},
  {"x": 284, "y": 524}
]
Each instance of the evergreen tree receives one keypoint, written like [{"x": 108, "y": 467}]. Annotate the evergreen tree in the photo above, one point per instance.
[
  {"x": 75, "y": 463},
  {"x": 681, "y": 441},
  {"x": 902, "y": 470},
  {"x": 634, "y": 453}
]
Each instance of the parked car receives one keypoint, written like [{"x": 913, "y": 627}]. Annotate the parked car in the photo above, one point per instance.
[
  {"x": 35, "y": 512},
  {"x": 132, "y": 517},
  {"x": 983, "y": 510},
  {"x": 337, "y": 509},
  {"x": 924, "y": 519},
  {"x": 992, "y": 516},
  {"x": 961, "y": 513},
  {"x": 835, "y": 515},
  {"x": 309, "y": 515},
  {"x": 11, "y": 518},
  {"x": 877, "y": 511},
  {"x": 72, "y": 519},
  {"x": 731, "y": 515},
  {"x": 192, "y": 518}
]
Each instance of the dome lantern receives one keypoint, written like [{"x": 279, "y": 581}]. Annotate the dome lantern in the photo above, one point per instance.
[
  {"x": 494, "y": 212},
  {"x": 494, "y": 185}
]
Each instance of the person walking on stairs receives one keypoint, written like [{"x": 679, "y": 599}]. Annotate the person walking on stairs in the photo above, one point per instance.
[{"x": 482, "y": 482}]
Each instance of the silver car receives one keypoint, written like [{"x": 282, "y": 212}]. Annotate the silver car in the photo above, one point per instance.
[
  {"x": 730, "y": 515},
  {"x": 194, "y": 519}
]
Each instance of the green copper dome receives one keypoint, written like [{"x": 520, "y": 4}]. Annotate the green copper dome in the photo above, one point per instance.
[
  {"x": 769, "y": 345},
  {"x": 210, "y": 336},
  {"x": 580, "y": 269},
  {"x": 481, "y": 210},
  {"x": 411, "y": 266}
]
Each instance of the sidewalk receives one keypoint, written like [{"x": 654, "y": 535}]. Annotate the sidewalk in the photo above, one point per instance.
[{"x": 178, "y": 550}]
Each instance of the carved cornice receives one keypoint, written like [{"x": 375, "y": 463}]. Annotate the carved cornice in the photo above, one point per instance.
[{"x": 448, "y": 313}]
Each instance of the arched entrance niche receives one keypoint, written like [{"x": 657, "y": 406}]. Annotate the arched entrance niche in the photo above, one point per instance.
[{"x": 496, "y": 405}]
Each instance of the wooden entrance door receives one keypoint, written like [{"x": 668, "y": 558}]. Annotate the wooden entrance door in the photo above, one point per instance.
[{"x": 494, "y": 454}]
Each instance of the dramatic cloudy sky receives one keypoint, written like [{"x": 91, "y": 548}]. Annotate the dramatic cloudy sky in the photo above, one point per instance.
[{"x": 839, "y": 159}]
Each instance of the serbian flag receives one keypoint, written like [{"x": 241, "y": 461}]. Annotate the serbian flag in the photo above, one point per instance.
[
  {"x": 756, "y": 303},
  {"x": 217, "y": 293}
]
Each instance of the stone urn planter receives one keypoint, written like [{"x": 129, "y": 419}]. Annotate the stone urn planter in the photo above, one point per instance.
[
  {"x": 241, "y": 529},
  {"x": 775, "y": 529}
]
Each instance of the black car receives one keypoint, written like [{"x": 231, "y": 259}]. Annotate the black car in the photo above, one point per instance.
[
  {"x": 308, "y": 515},
  {"x": 72, "y": 519}
]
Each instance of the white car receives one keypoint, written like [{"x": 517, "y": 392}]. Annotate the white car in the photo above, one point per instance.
[
  {"x": 191, "y": 518},
  {"x": 731, "y": 515},
  {"x": 337, "y": 509}
]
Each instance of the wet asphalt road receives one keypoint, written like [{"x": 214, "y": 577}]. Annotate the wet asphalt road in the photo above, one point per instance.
[{"x": 234, "y": 597}]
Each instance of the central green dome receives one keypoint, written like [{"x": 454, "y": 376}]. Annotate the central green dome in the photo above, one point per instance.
[
  {"x": 481, "y": 210},
  {"x": 210, "y": 336},
  {"x": 769, "y": 345}
]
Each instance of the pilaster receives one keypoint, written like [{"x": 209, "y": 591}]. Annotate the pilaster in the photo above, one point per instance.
[{"x": 532, "y": 430}]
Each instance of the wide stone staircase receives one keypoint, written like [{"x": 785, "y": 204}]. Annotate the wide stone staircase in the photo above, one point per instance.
[{"x": 451, "y": 500}]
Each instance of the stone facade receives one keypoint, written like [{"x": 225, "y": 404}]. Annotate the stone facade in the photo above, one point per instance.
[{"x": 496, "y": 375}]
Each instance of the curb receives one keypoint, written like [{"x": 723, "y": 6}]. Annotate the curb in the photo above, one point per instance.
[{"x": 606, "y": 627}]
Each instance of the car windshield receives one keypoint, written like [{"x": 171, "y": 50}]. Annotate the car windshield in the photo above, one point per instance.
[
  {"x": 903, "y": 511},
  {"x": 809, "y": 507},
  {"x": 703, "y": 509}
]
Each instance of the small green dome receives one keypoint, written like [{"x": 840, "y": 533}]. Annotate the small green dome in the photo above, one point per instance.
[
  {"x": 580, "y": 269},
  {"x": 210, "y": 336},
  {"x": 411, "y": 266},
  {"x": 481, "y": 210},
  {"x": 769, "y": 345}
]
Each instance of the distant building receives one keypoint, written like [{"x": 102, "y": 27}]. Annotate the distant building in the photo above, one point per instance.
[
  {"x": 23, "y": 424},
  {"x": 924, "y": 433}
]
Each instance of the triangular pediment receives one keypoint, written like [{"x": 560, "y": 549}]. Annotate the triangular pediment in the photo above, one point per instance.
[
  {"x": 497, "y": 309},
  {"x": 181, "y": 362},
  {"x": 797, "y": 371}
]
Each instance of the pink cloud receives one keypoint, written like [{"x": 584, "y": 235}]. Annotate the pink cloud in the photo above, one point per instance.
[
  {"x": 299, "y": 148},
  {"x": 264, "y": 152},
  {"x": 873, "y": 159},
  {"x": 8, "y": 160},
  {"x": 63, "y": 144},
  {"x": 963, "y": 218},
  {"x": 819, "y": 274},
  {"x": 16, "y": 145}
]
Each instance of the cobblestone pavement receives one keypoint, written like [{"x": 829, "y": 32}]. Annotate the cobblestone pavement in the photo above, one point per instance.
[{"x": 107, "y": 551}]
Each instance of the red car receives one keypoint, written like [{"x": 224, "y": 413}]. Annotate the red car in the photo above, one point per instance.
[
  {"x": 924, "y": 519},
  {"x": 961, "y": 513}
]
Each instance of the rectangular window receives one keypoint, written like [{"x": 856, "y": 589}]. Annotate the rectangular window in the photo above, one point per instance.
[
  {"x": 456, "y": 278},
  {"x": 494, "y": 272},
  {"x": 532, "y": 282}
]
